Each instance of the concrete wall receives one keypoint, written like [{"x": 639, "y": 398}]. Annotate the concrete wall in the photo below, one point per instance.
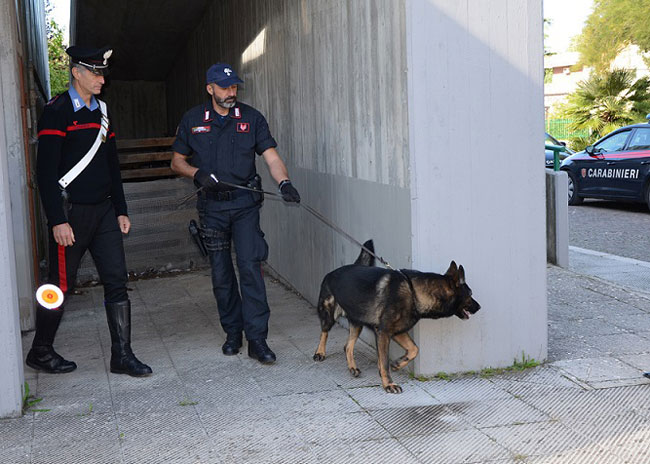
[
  {"x": 330, "y": 76},
  {"x": 476, "y": 123},
  {"x": 159, "y": 240},
  {"x": 17, "y": 96},
  {"x": 138, "y": 109},
  {"x": 399, "y": 120},
  {"x": 11, "y": 364}
]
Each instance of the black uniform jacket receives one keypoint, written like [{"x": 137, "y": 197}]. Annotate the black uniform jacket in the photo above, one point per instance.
[
  {"x": 225, "y": 148},
  {"x": 64, "y": 137}
]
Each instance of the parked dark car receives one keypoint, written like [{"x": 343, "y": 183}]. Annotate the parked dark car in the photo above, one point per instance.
[
  {"x": 549, "y": 153},
  {"x": 617, "y": 167}
]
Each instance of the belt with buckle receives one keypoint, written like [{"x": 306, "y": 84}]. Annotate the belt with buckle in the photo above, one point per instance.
[{"x": 225, "y": 196}]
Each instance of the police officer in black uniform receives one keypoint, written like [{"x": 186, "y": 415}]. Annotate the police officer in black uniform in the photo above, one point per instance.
[
  {"x": 85, "y": 208},
  {"x": 222, "y": 137}
]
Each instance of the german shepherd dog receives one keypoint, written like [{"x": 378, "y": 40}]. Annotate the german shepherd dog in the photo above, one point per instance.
[{"x": 390, "y": 303}]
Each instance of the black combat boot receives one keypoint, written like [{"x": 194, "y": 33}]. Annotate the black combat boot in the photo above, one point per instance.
[
  {"x": 258, "y": 349},
  {"x": 42, "y": 356},
  {"x": 123, "y": 361},
  {"x": 232, "y": 345}
]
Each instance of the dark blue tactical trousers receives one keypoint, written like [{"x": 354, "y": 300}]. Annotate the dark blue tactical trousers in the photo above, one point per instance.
[{"x": 250, "y": 311}]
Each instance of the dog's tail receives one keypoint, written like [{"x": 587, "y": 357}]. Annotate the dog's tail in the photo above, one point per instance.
[{"x": 365, "y": 258}]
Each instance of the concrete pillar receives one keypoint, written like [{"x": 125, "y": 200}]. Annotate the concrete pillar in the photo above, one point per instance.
[
  {"x": 557, "y": 218},
  {"x": 475, "y": 97},
  {"x": 11, "y": 365}
]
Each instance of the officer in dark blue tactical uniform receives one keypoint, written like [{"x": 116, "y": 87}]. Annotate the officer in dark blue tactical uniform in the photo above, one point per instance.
[
  {"x": 222, "y": 137},
  {"x": 80, "y": 187}
]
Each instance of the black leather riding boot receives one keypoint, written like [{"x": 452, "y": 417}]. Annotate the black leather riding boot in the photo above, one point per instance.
[
  {"x": 123, "y": 361},
  {"x": 42, "y": 356}
]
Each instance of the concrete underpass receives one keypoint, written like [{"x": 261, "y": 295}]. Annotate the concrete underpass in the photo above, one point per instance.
[{"x": 412, "y": 122}]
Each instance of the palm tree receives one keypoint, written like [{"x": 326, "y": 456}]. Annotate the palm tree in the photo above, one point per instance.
[{"x": 605, "y": 102}]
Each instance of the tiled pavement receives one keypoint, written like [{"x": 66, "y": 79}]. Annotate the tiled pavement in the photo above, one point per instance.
[{"x": 588, "y": 404}]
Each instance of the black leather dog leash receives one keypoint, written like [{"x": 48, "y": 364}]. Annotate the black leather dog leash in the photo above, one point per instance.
[
  {"x": 312, "y": 211},
  {"x": 325, "y": 221}
]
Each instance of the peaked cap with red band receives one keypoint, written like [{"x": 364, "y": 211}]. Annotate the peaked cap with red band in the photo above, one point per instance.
[{"x": 93, "y": 59}]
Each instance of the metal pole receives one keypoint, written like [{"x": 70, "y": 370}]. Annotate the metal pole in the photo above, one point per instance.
[{"x": 556, "y": 154}]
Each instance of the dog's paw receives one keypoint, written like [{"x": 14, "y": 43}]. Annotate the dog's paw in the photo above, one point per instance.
[
  {"x": 354, "y": 371},
  {"x": 395, "y": 365},
  {"x": 319, "y": 357},
  {"x": 393, "y": 388}
]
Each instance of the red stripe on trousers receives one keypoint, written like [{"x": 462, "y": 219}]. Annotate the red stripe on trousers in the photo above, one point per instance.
[{"x": 63, "y": 278}]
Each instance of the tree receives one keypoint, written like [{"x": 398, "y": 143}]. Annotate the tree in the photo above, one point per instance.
[
  {"x": 606, "y": 101},
  {"x": 547, "y": 23},
  {"x": 548, "y": 72},
  {"x": 57, "y": 58},
  {"x": 611, "y": 27}
]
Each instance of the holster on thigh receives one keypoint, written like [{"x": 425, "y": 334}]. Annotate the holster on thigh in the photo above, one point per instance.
[{"x": 215, "y": 240}]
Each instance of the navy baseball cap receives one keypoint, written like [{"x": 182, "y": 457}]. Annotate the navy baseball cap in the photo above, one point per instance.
[{"x": 223, "y": 75}]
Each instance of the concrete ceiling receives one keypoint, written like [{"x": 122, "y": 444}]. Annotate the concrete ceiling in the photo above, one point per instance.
[{"x": 146, "y": 35}]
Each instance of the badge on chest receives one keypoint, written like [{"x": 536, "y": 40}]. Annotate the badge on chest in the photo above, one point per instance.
[
  {"x": 200, "y": 129},
  {"x": 243, "y": 127}
]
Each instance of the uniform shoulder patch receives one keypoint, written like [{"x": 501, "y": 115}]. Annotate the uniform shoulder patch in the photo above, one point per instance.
[
  {"x": 53, "y": 99},
  {"x": 57, "y": 101}
]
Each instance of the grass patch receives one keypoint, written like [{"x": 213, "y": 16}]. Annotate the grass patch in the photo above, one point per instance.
[
  {"x": 438, "y": 376},
  {"x": 29, "y": 401},
  {"x": 419, "y": 378},
  {"x": 88, "y": 413},
  {"x": 517, "y": 366},
  {"x": 187, "y": 402}
]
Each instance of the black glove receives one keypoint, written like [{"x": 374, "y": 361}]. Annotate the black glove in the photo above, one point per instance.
[
  {"x": 209, "y": 182},
  {"x": 289, "y": 193}
]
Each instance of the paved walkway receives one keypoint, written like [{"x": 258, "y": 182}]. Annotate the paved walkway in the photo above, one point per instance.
[
  {"x": 628, "y": 272},
  {"x": 588, "y": 404}
]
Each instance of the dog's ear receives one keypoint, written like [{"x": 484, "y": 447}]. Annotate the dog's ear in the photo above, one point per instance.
[
  {"x": 461, "y": 275},
  {"x": 453, "y": 271}
]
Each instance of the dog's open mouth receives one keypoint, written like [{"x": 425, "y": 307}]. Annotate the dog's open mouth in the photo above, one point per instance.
[{"x": 464, "y": 314}]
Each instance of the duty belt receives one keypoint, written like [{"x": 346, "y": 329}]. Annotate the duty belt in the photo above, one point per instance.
[{"x": 225, "y": 196}]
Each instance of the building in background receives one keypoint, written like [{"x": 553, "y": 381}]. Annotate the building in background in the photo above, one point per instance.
[
  {"x": 564, "y": 72},
  {"x": 562, "y": 76}
]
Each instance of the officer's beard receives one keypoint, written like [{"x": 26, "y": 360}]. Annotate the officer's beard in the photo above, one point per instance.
[{"x": 226, "y": 102}]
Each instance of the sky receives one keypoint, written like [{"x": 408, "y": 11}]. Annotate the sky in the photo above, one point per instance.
[
  {"x": 61, "y": 13},
  {"x": 567, "y": 19}
]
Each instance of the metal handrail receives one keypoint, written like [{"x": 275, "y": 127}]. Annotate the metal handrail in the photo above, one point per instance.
[{"x": 557, "y": 149}]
